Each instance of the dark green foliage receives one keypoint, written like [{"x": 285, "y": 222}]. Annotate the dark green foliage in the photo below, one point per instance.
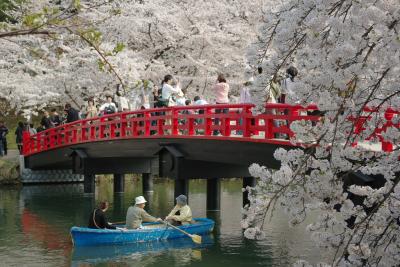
[{"x": 6, "y": 7}]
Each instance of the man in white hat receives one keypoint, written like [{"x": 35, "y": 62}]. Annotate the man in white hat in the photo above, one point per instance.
[{"x": 136, "y": 215}]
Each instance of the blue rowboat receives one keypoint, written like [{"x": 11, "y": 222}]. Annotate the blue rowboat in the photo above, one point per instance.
[{"x": 83, "y": 236}]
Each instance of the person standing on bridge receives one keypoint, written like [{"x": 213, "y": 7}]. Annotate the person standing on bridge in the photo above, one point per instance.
[
  {"x": 55, "y": 118},
  {"x": 181, "y": 214},
  {"x": 18, "y": 135},
  {"x": 288, "y": 84},
  {"x": 91, "y": 110},
  {"x": 120, "y": 99},
  {"x": 71, "y": 113},
  {"x": 221, "y": 91},
  {"x": 46, "y": 121},
  {"x": 169, "y": 92},
  {"x": 109, "y": 107},
  {"x": 136, "y": 214}
]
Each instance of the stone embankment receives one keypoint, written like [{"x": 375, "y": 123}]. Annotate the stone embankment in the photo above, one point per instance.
[{"x": 9, "y": 169}]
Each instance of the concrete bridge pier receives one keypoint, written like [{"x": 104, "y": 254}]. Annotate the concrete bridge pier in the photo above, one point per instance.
[
  {"x": 89, "y": 183},
  {"x": 213, "y": 194},
  {"x": 248, "y": 181},
  {"x": 119, "y": 183},
  {"x": 147, "y": 183},
  {"x": 181, "y": 187}
]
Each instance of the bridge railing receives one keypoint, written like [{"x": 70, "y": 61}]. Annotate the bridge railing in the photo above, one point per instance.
[
  {"x": 389, "y": 118},
  {"x": 230, "y": 121}
]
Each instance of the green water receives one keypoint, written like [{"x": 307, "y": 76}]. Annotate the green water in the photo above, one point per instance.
[{"x": 35, "y": 223}]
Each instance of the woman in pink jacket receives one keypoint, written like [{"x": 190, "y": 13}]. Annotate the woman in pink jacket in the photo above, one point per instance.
[{"x": 221, "y": 90}]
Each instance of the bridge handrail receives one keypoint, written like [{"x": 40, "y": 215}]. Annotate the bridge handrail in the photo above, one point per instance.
[{"x": 229, "y": 121}]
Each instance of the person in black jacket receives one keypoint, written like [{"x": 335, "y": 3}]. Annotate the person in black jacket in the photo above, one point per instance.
[
  {"x": 55, "y": 118},
  {"x": 46, "y": 122},
  {"x": 72, "y": 114},
  {"x": 18, "y": 135},
  {"x": 98, "y": 219},
  {"x": 3, "y": 139}
]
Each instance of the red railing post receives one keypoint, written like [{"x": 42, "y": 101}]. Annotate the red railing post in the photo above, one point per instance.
[
  {"x": 74, "y": 133},
  {"x": 147, "y": 123},
  {"x": 225, "y": 124},
  {"x": 112, "y": 127},
  {"x": 269, "y": 126},
  {"x": 123, "y": 126},
  {"x": 84, "y": 131},
  {"x": 66, "y": 135},
  {"x": 208, "y": 121},
  {"x": 92, "y": 131},
  {"x": 134, "y": 128},
  {"x": 293, "y": 112},
  {"x": 246, "y": 121},
  {"x": 174, "y": 116},
  {"x": 102, "y": 127}
]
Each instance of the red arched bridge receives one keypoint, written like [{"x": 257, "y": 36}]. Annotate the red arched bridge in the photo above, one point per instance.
[{"x": 209, "y": 141}]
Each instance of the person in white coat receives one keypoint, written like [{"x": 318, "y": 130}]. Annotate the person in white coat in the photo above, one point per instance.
[
  {"x": 245, "y": 94},
  {"x": 169, "y": 92},
  {"x": 120, "y": 99}
]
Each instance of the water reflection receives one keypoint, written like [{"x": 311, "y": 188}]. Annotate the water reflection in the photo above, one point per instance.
[
  {"x": 35, "y": 223},
  {"x": 183, "y": 249}
]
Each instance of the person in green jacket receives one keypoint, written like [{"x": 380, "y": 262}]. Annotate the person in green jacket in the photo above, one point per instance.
[{"x": 136, "y": 214}]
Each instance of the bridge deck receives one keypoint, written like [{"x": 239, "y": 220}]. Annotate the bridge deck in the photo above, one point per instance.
[{"x": 228, "y": 134}]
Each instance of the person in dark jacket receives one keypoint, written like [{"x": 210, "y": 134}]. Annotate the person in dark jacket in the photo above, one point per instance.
[
  {"x": 55, "y": 118},
  {"x": 98, "y": 219},
  {"x": 3, "y": 138},
  {"x": 72, "y": 114},
  {"x": 46, "y": 122},
  {"x": 18, "y": 135}
]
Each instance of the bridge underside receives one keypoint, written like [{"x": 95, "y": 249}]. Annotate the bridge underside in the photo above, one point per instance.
[{"x": 179, "y": 158}]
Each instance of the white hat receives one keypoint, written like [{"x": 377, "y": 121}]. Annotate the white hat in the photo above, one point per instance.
[{"x": 140, "y": 200}]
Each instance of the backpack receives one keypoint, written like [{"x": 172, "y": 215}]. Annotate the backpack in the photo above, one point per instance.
[{"x": 110, "y": 109}]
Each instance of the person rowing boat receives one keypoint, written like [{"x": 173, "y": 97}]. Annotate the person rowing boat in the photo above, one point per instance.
[
  {"x": 136, "y": 214},
  {"x": 181, "y": 214}
]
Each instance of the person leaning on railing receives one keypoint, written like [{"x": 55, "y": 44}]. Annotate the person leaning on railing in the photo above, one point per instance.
[
  {"x": 91, "y": 110},
  {"x": 168, "y": 91},
  {"x": 71, "y": 113}
]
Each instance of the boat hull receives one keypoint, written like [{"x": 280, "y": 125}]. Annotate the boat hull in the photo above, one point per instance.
[{"x": 82, "y": 236}]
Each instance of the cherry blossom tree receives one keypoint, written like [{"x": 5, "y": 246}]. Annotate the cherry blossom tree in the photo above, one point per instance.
[
  {"x": 348, "y": 56},
  {"x": 78, "y": 48}
]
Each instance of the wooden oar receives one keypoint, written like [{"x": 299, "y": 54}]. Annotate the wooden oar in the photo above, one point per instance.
[{"x": 195, "y": 238}]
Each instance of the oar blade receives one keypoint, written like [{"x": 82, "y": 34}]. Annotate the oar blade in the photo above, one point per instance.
[{"x": 196, "y": 239}]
